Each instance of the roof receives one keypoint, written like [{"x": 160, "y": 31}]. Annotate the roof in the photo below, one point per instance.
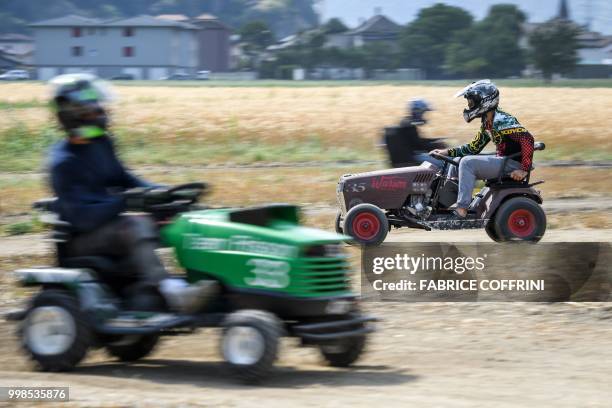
[
  {"x": 147, "y": 21},
  {"x": 138, "y": 21},
  {"x": 596, "y": 56},
  {"x": 173, "y": 17},
  {"x": 377, "y": 24},
  {"x": 209, "y": 21},
  {"x": 8, "y": 60},
  {"x": 15, "y": 37},
  {"x": 206, "y": 16},
  {"x": 69, "y": 20}
]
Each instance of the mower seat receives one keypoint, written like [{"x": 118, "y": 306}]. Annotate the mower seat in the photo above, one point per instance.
[
  {"x": 505, "y": 182},
  {"x": 101, "y": 265}
]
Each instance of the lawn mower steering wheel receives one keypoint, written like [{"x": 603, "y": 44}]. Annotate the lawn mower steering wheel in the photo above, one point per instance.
[
  {"x": 444, "y": 158},
  {"x": 189, "y": 190}
]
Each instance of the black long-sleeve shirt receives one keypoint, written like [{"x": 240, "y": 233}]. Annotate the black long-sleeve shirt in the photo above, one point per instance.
[{"x": 82, "y": 177}]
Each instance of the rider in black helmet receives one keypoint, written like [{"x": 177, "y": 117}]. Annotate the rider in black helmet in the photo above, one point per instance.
[
  {"x": 85, "y": 175},
  {"x": 503, "y": 129}
]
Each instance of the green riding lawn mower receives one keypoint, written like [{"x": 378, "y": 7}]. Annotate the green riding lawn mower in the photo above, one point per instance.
[{"x": 275, "y": 277}]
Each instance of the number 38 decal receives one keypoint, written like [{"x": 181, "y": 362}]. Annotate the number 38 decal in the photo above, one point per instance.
[{"x": 268, "y": 274}]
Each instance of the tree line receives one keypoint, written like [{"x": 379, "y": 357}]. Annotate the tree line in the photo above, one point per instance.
[{"x": 443, "y": 41}]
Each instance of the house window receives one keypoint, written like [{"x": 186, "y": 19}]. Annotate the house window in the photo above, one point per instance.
[
  {"x": 77, "y": 51},
  {"x": 76, "y": 31},
  {"x": 128, "y": 51},
  {"x": 128, "y": 32}
]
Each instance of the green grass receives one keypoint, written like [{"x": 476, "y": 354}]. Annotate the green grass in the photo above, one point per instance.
[
  {"x": 22, "y": 227},
  {"x": 32, "y": 103},
  {"x": 25, "y": 149}
]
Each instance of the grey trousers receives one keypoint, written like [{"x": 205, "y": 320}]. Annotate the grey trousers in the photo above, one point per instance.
[
  {"x": 131, "y": 238},
  {"x": 472, "y": 168}
]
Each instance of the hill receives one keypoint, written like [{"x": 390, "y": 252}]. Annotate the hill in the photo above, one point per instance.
[{"x": 284, "y": 16}]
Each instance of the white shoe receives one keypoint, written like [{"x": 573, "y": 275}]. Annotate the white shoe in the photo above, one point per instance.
[{"x": 185, "y": 298}]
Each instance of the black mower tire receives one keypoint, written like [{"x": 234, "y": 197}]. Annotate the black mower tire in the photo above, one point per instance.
[
  {"x": 490, "y": 230},
  {"x": 76, "y": 351},
  {"x": 344, "y": 352},
  {"x": 367, "y": 224},
  {"x": 134, "y": 351},
  {"x": 337, "y": 222},
  {"x": 520, "y": 219},
  {"x": 269, "y": 329}
]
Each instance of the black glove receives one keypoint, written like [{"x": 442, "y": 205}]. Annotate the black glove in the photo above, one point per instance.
[{"x": 142, "y": 198}]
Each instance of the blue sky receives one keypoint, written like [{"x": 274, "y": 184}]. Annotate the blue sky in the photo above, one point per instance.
[{"x": 402, "y": 11}]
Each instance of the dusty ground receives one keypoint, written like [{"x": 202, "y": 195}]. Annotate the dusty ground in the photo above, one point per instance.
[
  {"x": 465, "y": 355},
  {"x": 441, "y": 354}
]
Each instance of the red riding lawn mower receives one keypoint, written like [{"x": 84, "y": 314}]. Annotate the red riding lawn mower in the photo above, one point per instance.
[{"x": 421, "y": 197}]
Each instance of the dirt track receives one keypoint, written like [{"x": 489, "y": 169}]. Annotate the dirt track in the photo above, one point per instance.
[
  {"x": 503, "y": 355},
  {"x": 461, "y": 355}
]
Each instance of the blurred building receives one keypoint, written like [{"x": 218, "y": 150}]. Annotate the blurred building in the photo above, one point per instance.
[
  {"x": 142, "y": 47},
  {"x": 213, "y": 38},
  {"x": 7, "y": 62},
  {"x": 213, "y": 43},
  {"x": 17, "y": 47},
  {"x": 378, "y": 29},
  {"x": 594, "y": 49}
]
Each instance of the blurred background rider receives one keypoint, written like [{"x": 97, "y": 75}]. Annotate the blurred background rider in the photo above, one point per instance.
[{"x": 404, "y": 144}]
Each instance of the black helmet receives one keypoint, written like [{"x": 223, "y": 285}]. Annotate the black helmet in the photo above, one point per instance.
[
  {"x": 78, "y": 102},
  {"x": 482, "y": 96},
  {"x": 417, "y": 109}
]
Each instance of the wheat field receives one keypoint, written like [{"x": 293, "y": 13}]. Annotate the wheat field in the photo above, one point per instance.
[
  {"x": 169, "y": 134},
  {"x": 333, "y": 122}
]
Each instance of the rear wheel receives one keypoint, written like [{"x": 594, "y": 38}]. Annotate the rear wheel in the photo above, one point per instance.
[
  {"x": 367, "y": 224},
  {"x": 250, "y": 344},
  {"x": 54, "y": 332},
  {"x": 490, "y": 230},
  {"x": 520, "y": 219}
]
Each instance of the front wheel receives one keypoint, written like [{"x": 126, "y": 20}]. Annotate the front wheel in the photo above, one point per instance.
[
  {"x": 54, "y": 332},
  {"x": 367, "y": 224},
  {"x": 250, "y": 344},
  {"x": 520, "y": 219},
  {"x": 343, "y": 352},
  {"x": 338, "y": 222}
]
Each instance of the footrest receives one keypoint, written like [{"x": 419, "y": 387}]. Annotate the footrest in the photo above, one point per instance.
[
  {"x": 455, "y": 224},
  {"x": 333, "y": 330},
  {"x": 135, "y": 324}
]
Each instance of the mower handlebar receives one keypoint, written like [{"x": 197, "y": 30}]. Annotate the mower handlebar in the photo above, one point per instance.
[
  {"x": 444, "y": 158},
  {"x": 164, "y": 200}
]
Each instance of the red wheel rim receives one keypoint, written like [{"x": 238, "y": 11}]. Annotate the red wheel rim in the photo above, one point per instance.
[
  {"x": 366, "y": 226},
  {"x": 521, "y": 223}
]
